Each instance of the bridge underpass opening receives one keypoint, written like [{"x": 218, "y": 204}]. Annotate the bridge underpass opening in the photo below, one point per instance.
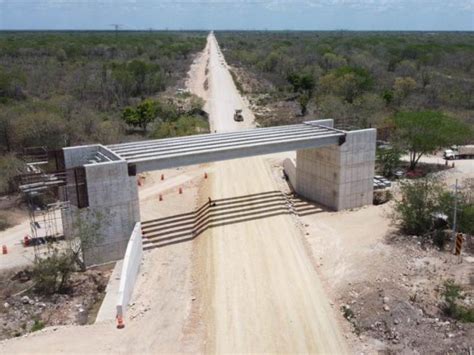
[{"x": 334, "y": 168}]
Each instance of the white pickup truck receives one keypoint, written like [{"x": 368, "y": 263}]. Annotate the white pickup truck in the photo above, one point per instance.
[{"x": 461, "y": 152}]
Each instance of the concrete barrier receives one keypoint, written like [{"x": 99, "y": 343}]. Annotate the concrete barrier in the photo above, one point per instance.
[{"x": 131, "y": 265}]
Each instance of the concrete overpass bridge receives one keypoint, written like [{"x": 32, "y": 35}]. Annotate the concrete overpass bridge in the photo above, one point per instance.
[
  {"x": 174, "y": 152},
  {"x": 334, "y": 168}
]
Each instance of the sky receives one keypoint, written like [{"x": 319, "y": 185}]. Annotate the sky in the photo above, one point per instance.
[{"x": 424, "y": 15}]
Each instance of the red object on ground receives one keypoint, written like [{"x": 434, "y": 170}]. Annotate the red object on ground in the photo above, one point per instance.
[
  {"x": 205, "y": 175},
  {"x": 120, "y": 323},
  {"x": 180, "y": 190},
  {"x": 414, "y": 174},
  {"x": 4, "y": 249},
  {"x": 26, "y": 241},
  {"x": 160, "y": 197},
  {"x": 162, "y": 176}
]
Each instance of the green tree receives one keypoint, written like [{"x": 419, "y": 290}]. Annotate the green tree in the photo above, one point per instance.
[
  {"x": 404, "y": 86},
  {"x": 425, "y": 132},
  {"x": 141, "y": 116},
  {"x": 304, "y": 85},
  {"x": 348, "y": 82}
]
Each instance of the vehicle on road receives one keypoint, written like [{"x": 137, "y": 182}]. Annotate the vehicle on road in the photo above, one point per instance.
[
  {"x": 461, "y": 152},
  {"x": 238, "y": 117}
]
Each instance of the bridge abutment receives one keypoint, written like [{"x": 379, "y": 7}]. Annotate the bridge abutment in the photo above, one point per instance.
[
  {"x": 338, "y": 176},
  {"x": 103, "y": 192}
]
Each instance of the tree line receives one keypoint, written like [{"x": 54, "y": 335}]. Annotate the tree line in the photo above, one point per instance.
[
  {"x": 357, "y": 78},
  {"x": 66, "y": 88}
]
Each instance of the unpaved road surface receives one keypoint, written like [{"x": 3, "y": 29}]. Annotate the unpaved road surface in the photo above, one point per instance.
[
  {"x": 263, "y": 292},
  {"x": 252, "y": 287}
]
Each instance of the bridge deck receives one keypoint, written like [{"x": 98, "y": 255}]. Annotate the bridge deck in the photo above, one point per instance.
[{"x": 173, "y": 152}]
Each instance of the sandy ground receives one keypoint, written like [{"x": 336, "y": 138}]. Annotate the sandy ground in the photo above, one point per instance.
[{"x": 17, "y": 254}]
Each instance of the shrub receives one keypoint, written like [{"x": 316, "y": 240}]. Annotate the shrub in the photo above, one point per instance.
[
  {"x": 4, "y": 223},
  {"x": 37, "y": 325},
  {"x": 420, "y": 201},
  {"x": 184, "y": 126},
  {"x": 452, "y": 293},
  {"x": 52, "y": 274},
  {"x": 440, "y": 238},
  {"x": 388, "y": 160},
  {"x": 10, "y": 167}
]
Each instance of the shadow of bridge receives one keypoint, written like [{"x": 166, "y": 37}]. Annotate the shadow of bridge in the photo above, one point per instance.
[{"x": 232, "y": 210}]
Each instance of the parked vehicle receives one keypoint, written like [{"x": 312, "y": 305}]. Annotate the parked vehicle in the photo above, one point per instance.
[{"x": 461, "y": 152}]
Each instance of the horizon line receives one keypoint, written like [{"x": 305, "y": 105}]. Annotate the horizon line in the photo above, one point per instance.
[{"x": 219, "y": 30}]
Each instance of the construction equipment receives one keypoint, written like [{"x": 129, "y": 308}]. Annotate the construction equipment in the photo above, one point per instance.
[
  {"x": 461, "y": 152},
  {"x": 238, "y": 117}
]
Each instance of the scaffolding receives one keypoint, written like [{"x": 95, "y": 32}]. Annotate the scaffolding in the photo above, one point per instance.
[{"x": 46, "y": 196}]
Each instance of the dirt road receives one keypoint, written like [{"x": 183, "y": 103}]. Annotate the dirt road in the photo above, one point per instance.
[{"x": 264, "y": 293}]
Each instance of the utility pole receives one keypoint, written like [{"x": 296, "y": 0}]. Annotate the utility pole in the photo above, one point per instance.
[
  {"x": 455, "y": 214},
  {"x": 455, "y": 217},
  {"x": 117, "y": 26}
]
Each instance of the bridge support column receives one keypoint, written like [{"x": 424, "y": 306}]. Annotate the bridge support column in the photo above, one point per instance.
[
  {"x": 339, "y": 177},
  {"x": 101, "y": 187}
]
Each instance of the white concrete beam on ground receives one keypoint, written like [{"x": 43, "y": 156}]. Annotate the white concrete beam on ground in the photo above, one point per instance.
[{"x": 130, "y": 268}]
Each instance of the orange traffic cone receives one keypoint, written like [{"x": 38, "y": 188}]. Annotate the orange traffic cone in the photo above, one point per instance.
[
  {"x": 4, "y": 249},
  {"x": 120, "y": 323}
]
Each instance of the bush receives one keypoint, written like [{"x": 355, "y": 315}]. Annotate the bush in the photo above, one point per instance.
[
  {"x": 452, "y": 293},
  {"x": 388, "y": 160},
  {"x": 184, "y": 126},
  {"x": 4, "y": 223},
  {"x": 10, "y": 167},
  {"x": 37, "y": 325},
  {"x": 440, "y": 238},
  {"x": 52, "y": 274},
  {"x": 420, "y": 201}
]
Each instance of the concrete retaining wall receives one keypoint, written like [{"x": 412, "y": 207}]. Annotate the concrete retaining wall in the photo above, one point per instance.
[{"x": 130, "y": 268}]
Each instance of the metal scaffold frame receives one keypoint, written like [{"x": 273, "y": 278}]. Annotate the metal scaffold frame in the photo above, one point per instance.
[{"x": 46, "y": 196}]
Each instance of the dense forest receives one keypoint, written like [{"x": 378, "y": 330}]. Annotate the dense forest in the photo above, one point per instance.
[
  {"x": 65, "y": 88},
  {"x": 358, "y": 78}
]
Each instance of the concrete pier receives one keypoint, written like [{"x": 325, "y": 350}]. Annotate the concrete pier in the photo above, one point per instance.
[{"x": 107, "y": 188}]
